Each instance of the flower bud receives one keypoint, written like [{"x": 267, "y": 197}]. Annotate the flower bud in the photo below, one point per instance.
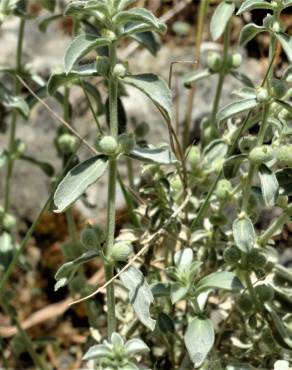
[
  {"x": 194, "y": 157},
  {"x": 284, "y": 155},
  {"x": 223, "y": 189},
  {"x": 8, "y": 221},
  {"x": 231, "y": 256},
  {"x": 108, "y": 34},
  {"x": 247, "y": 143},
  {"x": 92, "y": 237},
  {"x": 256, "y": 259},
  {"x": 278, "y": 88},
  {"x": 282, "y": 201},
  {"x": 261, "y": 154},
  {"x": 107, "y": 145},
  {"x": 119, "y": 70},
  {"x": 126, "y": 143},
  {"x": 235, "y": 60},
  {"x": 262, "y": 95},
  {"x": 214, "y": 62},
  {"x": 67, "y": 143},
  {"x": 245, "y": 303},
  {"x": 120, "y": 251},
  {"x": 19, "y": 147},
  {"x": 264, "y": 292}
]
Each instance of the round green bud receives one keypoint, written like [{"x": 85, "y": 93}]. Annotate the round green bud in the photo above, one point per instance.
[
  {"x": 108, "y": 34},
  {"x": 231, "y": 256},
  {"x": 67, "y": 143},
  {"x": 275, "y": 108},
  {"x": 120, "y": 251},
  {"x": 284, "y": 155},
  {"x": 274, "y": 4},
  {"x": 181, "y": 28},
  {"x": 235, "y": 60},
  {"x": 119, "y": 70},
  {"x": 282, "y": 201},
  {"x": 141, "y": 129},
  {"x": 89, "y": 239},
  {"x": 217, "y": 219},
  {"x": 261, "y": 154},
  {"x": 194, "y": 157},
  {"x": 256, "y": 259},
  {"x": 176, "y": 184},
  {"x": 100, "y": 234},
  {"x": 107, "y": 145},
  {"x": 245, "y": 303},
  {"x": 126, "y": 143},
  {"x": 223, "y": 189},
  {"x": 278, "y": 88},
  {"x": 262, "y": 95},
  {"x": 277, "y": 27},
  {"x": 8, "y": 221},
  {"x": 20, "y": 147},
  {"x": 247, "y": 143},
  {"x": 214, "y": 61},
  {"x": 264, "y": 292}
]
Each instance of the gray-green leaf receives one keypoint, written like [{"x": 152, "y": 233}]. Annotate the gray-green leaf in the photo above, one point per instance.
[
  {"x": 199, "y": 339},
  {"x": 80, "y": 46},
  {"x": 220, "y": 18},
  {"x": 155, "y": 88},
  {"x": 222, "y": 280},
  {"x": 235, "y": 108},
  {"x": 78, "y": 180},
  {"x": 154, "y": 155},
  {"x": 269, "y": 185},
  {"x": 254, "y": 4},
  {"x": 244, "y": 234},
  {"x": 249, "y": 32},
  {"x": 286, "y": 43},
  {"x": 196, "y": 76},
  {"x": 140, "y": 294}
]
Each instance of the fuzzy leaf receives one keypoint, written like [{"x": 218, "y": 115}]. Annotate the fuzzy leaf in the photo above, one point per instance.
[
  {"x": 11, "y": 101},
  {"x": 148, "y": 40},
  {"x": 235, "y": 108},
  {"x": 97, "y": 351},
  {"x": 62, "y": 79},
  {"x": 155, "y": 88},
  {"x": 286, "y": 43},
  {"x": 244, "y": 234},
  {"x": 178, "y": 292},
  {"x": 99, "y": 10},
  {"x": 242, "y": 78},
  {"x": 140, "y": 295},
  {"x": 44, "y": 23},
  {"x": 222, "y": 280},
  {"x": 269, "y": 185},
  {"x": 158, "y": 155},
  {"x": 249, "y": 32},
  {"x": 287, "y": 76},
  {"x": 139, "y": 15},
  {"x": 78, "y": 179},
  {"x": 135, "y": 346},
  {"x": 80, "y": 46},
  {"x": 220, "y": 18},
  {"x": 249, "y": 5},
  {"x": 196, "y": 76},
  {"x": 183, "y": 258},
  {"x": 199, "y": 339}
]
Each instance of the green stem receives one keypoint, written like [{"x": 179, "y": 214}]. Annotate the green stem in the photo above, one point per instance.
[
  {"x": 13, "y": 119},
  {"x": 276, "y": 225},
  {"x": 130, "y": 173},
  {"x": 221, "y": 79},
  {"x": 251, "y": 291},
  {"x": 111, "y": 211}
]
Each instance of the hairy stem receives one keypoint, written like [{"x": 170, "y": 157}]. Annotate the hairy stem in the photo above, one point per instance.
[
  {"x": 276, "y": 225},
  {"x": 10, "y": 163}
]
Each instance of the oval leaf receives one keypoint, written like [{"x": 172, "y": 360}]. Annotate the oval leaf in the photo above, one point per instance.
[
  {"x": 254, "y": 4},
  {"x": 155, "y": 88},
  {"x": 249, "y": 32},
  {"x": 220, "y": 18},
  {"x": 286, "y": 43},
  {"x": 235, "y": 108},
  {"x": 269, "y": 185},
  {"x": 154, "y": 155},
  {"x": 244, "y": 234},
  {"x": 199, "y": 339},
  {"x": 140, "y": 294},
  {"x": 78, "y": 180},
  {"x": 79, "y": 47},
  {"x": 222, "y": 280},
  {"x": 196, "y": 76}
]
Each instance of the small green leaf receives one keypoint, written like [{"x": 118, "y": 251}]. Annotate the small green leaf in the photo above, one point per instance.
[
  {"x": 269, "y": 185},
  {"x": 232, "y": 164},
  {"x": 286, "y": 43},
  {"x": 44, "y": 23},
  {"x": 160, "y": 155},
  {"x": 122, "y": 4},
  {"x": 242, "y": 78},
  {"x": 286, "y": 3},
  {"x": 178, "y": 291},
  {"x": 78, "y": 180},
  {"x": 97, "y": 351},
  {"x": 138, "y": 15},
  {"x": 244, "y": 234},
  {"x": 235, "y": 108},
  {"x": 221, "y": 280},
  {"x": 63, "y": 79},
  {"x": 155, "y": 88},
  {"x": 287, "y": 75},
  {"x": 183, "y": 259},
  {"x": 46, "y": 167},
  {"x": 99, "y": 10},
  {"x": 220, "y": 18},
  {"x": 217, "y": 149},
  {"x": 196, "y": 76},
  {"x": 11, "y": 101},
  {"x": 80, "y": 46},
  {"x": 148, "y": 40},
  {"x": 199, "y": 339},
  {"x": 249, "y": 32},
  {"x": 249, "y": 5},
  {"x": 140, "y": 295},
  {"x": 3, "y": 158}
]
